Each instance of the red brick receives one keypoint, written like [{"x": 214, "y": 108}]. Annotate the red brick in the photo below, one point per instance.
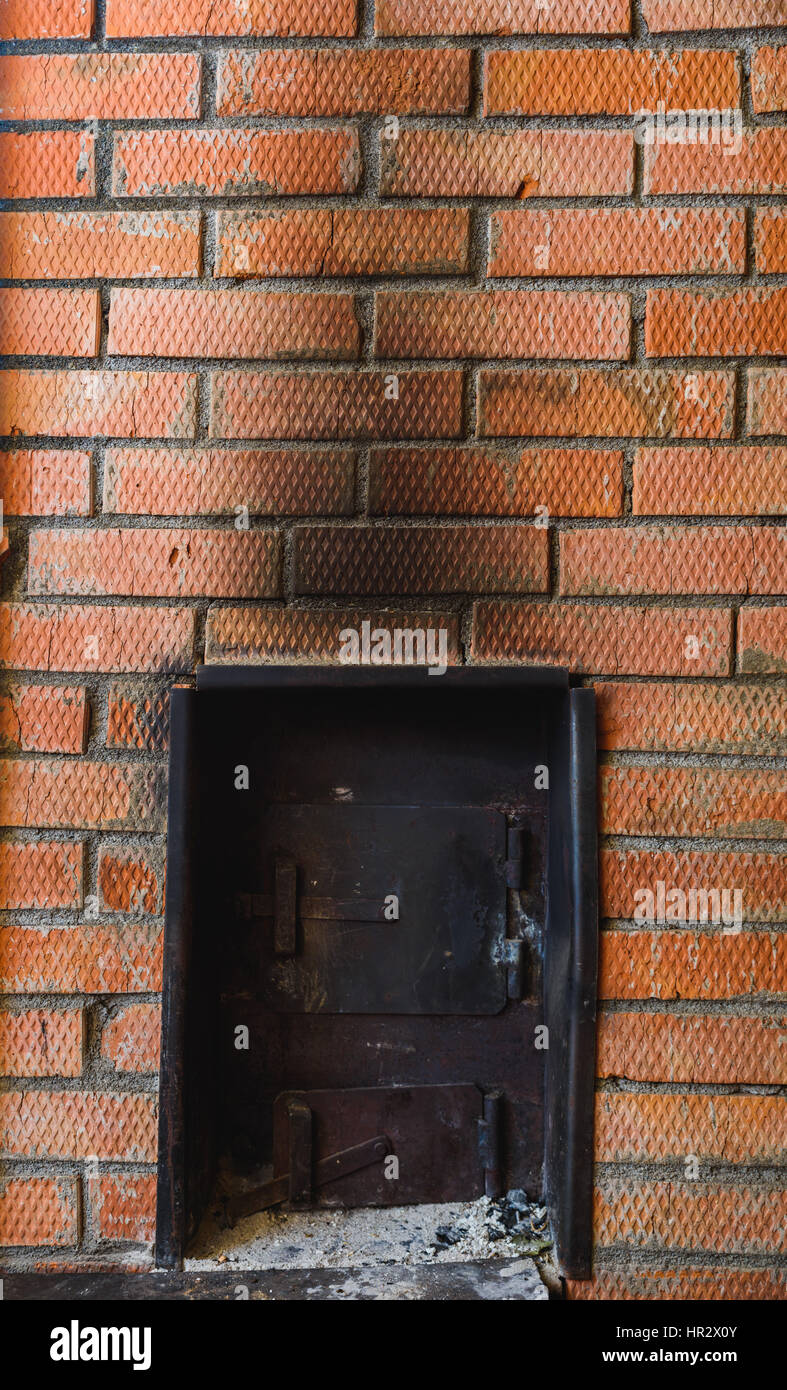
[
  {"x": 344, "y": 241},
  {"x": 336, "y": 405},
  {"x": 729, "y": 1129},
  {"x": 663, "y": 15},
  {"x": 618, "y": 241},
  {"x": 455, "y": 17},
  {"x": 50, "y": 323},
  {"x": 192, "y": 163},
  {"x": 130, "y": 1040},
  {"x": 78, "y": 1125},
  {"x": 46, "y": 482},
  {"x": 626, "y": 401},
  {"x": 286, "y": 482},
  {"x": 692, "y": 1049},
  {"x": 411, "y": 560},
  {"x": 485, "y": 482},
  {"x": 505, "y": 323},
  {"x": 88, "y": 245},
  {"x": 762, "y": 639},
  {"x": 161, "y": 563},
  {"x": 733, "y": 323},
  {"x": 770, "y": 240},
  {"x": 693, "y": 718},
  {"x": 507, "y": 164},
  {"x": 742, "y": 803},
  {"x": 107, "y": 86},
  {"x": 671, "y": 1285},
  {"x": 131, "y": 879},
  {"x": 103, "y": 959},
  {"x": 44, "y": 874},
  {"x": 344, "y": 82},
  {"x": 40, "y": 1042},
  {"x": 124, "y": 404},
  {"x": 50, "y": 793},
  {"x": 141, "y": 19},
  {"x": 256, "y": 635},
  {"x": 762, "y": 879},
  {"x": 769, "y": 78},
  {"x": 232, "y": 323},
  {"x": 124, "y": 1205},
  {"x": 40, "y": 19},
  {"x": 137, "y": 718},
  {"x": 614, "y": 641},
  {"x": 720, "y": 168},
  {"x": 723, "y": 481},
  {"x": 674, "y": 560},
  {"x": 44, "y": 718},
  {"x": 690, "y": 1216},
  {"x": 767, "y": 400},
  {"x": 39, "y": 1211},
  {"x": 47, "y": 164},
  {"x": 51, "y": 637},
  {"x": 611, "y": 81}
]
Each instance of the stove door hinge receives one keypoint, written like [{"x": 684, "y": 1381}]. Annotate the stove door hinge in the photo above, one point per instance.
[
  {"x": 513, "y": 958},
  {"x": 516, "y": 836},
  {"x": 489, "y": 1144}
]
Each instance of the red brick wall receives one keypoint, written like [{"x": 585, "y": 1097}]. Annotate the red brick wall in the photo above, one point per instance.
[{"x": 232, "y": 228}]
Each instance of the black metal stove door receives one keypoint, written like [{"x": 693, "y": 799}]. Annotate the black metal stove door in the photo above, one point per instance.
[{"x": 379, "y": 909}]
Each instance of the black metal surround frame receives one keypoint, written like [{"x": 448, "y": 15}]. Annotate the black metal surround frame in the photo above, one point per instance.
[{"x": 570, "y": 957}]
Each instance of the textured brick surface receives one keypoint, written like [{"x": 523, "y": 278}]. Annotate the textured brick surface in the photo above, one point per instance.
[
  {"x": 47, "y": 164},
  {"x": 49, "y": 323},
  {"x": 674, "y": 560},
  {"x": 662, "y": 15},
  {"x": 46, "y": 792},
  {"x": 700, "y": 1049},
  {"x": 769, "y": 78},
  {"x": 624, "y": 401},
  {"x": 40, "y": 19},
  {"x": 43, "y": 874},
  {"x": 682, "y": 323},
  {"x": 613, "y": 81},
  {"x": 693, "y": 801},
  {"x": 402, "y": 17},
  {"x": 344, "y": 82},
  {"x": 729, "y": 1129},
  {"x": 131, "y": 879},
  {"x": 40, "y": 1042},
  {"x": 762, "y": 639},
  {"x": 88, "y": 959},
  {"x": 690, "y": 1216},
  {"x": 86, "y": 245},
  {"x": 408, "y": 560},
  {"x": 348, "y": 241},
  {"x": 568, "y": 482},
  {"x": 192, "y": 163},
  {"x": 506, "y": 323},
  {"x": 762, "y": 879},
  {"x": 162, "y": 563},
  {"x": 608, "y": 641},
  {"x": 140, "y": 18},
  {"x": 231, "y": 323},
  {"x": 734, "y": 481},
  {"x": 137, "y": 719},
  {"x": 124, "y": 1206},
  {"x": 109, "y": 86},
  {"x": 690, "y": 965},
  {"x": 287, "y": 634},
  {"x": 49, "y": 637},
  {"x": 705, "y": 1285},
  {"x": 45, "y": 482},
  {"x": 770, "y": 240},
  {"x": 130, "y": 1040},
  {"x": 757, "y": 167},
  {"x": 39, "y": 1211},
  {"x": 43, "y": 718},
  {"x": 507, "y": 164},
  {"x": 208, "y": 482},
  {"x": 617, "y": 241},
  {"x": 78, "y": 1124},
  {"x": 335, "y": 405},
  {"x": 693, "y": 718},
  {"x": 767, "y": 401},
  {"x": 82, "y": 403}
]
